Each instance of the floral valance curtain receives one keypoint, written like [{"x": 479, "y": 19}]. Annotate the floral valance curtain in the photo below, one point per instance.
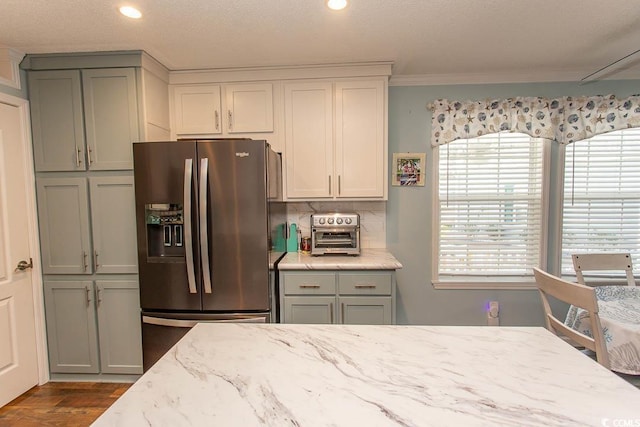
[{"x": 565, "y": 119}]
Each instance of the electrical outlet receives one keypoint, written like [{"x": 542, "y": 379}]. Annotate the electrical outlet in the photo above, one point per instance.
[{"x": 493, "y": 314}]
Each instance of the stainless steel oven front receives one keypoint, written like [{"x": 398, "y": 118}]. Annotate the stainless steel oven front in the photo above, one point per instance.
[{"x": 335, "y": 233}]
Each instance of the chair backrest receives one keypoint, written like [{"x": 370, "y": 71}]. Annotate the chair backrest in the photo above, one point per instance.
[
  {"x": 580, "y": 296},
  {"x": 603, "y": 262}
]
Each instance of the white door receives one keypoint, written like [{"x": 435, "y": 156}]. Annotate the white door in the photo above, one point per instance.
[{"x": 18, "y": 356}]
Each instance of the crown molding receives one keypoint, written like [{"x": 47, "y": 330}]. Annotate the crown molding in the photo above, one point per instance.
[
  {"x": 222, "y": 75},
  {"x": 497, "y": 78},
  {"x": 10, "y": 67}
]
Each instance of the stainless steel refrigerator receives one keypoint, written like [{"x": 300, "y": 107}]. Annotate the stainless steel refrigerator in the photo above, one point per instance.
[{"x": 210, "y": 220}]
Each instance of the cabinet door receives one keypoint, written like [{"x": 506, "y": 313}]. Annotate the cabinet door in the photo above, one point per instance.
[
  {"x": 197, "y": 110},
  {"x": 249, "y": 108},
  {"x": 63, "y": 214},
  {"x": 71, "y": 326},
  {"x": 365, "y": 310},
  {"x": 308, "y": 140},
  {"x": 360, "y": 141},
  {"x": 310, "y": 310},
  {"x": 56, "y": 120},
  {"x": 118, "y": 307},
  {"x": 113, "y": 218},
  {"x": 111, "y": 117}
]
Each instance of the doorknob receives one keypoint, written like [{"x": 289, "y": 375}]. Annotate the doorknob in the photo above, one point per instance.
[{"x": 23, "y": 265}]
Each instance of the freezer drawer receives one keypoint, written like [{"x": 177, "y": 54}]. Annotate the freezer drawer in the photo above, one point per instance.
[{"x": 161, "y": 331}]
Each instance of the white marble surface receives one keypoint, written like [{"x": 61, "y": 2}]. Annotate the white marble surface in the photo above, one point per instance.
[
  {"x": 273, "y": 257},
  {"x": 339, "y": 375},
  {"x": 369, "y": 259}
]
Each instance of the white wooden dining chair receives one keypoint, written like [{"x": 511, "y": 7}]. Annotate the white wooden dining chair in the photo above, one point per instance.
[
  {"x": 615, "y": 262},
  {"x": 580, "y": 296}
]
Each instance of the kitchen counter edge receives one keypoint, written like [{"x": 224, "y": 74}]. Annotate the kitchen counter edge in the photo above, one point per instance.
[{"x": 369, "y": 259}]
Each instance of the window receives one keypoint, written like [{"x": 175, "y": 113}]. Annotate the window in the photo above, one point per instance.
[
  {"x": 601, "y": 207},
  {"x": 490, "y": 210}
]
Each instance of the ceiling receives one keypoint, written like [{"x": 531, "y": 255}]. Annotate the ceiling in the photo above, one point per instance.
[{"x": 427, "y": 40}]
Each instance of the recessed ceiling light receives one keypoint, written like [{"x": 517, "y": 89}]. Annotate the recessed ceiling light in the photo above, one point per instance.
[
  {"x": 130, "y": 12},
  {"x": 336, "y": 4}
]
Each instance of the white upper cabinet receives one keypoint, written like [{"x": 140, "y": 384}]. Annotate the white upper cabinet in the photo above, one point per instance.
[
  {"x": 360, "y": 143},
  {"x": 328, "y": 122},
  {"x": 199, "y": 110},
  {"x": 249, "y": 107},
  {"x": 309, "y": 139},
  {"x": 335, "y": 140}
]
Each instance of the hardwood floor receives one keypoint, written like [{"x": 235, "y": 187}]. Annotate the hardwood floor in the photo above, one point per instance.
[{"x": 61, "y": 404}]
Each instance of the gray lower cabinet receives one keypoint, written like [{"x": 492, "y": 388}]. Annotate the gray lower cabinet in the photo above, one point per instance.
[
  {"x": 70, "y": 242},
  {"x": 93, "y": 327},
  {"x": 314, "y": 310},
  {"x": 375, "y": 310},
  {"x": 345, "y": 297}
]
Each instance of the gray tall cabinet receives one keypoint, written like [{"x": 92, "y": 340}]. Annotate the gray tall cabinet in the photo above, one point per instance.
[{"x": 86, "y": 110}]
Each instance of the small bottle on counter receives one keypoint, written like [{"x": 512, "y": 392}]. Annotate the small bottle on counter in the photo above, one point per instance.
[{"x": 305, "y": 245}]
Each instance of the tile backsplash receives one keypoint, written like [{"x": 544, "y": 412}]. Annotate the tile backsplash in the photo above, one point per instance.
[{"x": 373, "y": 218}]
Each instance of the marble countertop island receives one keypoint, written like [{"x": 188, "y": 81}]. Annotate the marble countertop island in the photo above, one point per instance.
[
  {"x": 369, "y": 259},
  {"x": 343, "y": 375}
]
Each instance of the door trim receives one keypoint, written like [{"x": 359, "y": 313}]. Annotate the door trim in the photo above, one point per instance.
[{"x": 36, "y": 273}]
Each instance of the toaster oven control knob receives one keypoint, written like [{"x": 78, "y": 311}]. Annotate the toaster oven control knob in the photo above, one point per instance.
[
  {"x": 321, "y": 220},
  {"x": 339, "y": 220},
  {"x": 348, "y": 220},
  {"x": 330, "y": 220}
]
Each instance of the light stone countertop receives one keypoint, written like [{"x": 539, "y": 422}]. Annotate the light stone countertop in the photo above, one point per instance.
[
  {"x": 225, "y": 374},
  {"x": 369, "y": 259},
  {"x": 273, "y": 257}
]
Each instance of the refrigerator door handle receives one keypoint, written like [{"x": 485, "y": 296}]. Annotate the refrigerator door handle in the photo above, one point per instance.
[
  {"x": 204, "y": 235},
  {"x": 188, "y": 175}
]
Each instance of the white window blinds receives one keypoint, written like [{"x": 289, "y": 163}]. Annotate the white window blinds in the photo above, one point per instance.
[
  {"x": 602, "y": 196},
  {"x": 490, "y": 206}
]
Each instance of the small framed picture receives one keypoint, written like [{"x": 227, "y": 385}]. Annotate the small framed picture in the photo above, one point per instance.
[{"x": 408, "y": 169}]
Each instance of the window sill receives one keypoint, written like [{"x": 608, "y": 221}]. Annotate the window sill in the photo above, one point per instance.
[{"x": 506, "y": 283}]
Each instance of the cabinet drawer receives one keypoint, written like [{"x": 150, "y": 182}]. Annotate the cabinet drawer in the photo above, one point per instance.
[
  {"x": 374, "y": 283},
  {"x": 309, "y": 283}
]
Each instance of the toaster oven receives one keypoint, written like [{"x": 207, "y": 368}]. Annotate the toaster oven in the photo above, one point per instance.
[{"x": 335, "y": 233}]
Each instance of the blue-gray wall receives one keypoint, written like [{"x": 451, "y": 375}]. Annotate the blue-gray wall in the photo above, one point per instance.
[{"x": 409, "y": 209}]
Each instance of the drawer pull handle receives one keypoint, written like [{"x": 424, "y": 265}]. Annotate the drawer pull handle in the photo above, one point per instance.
[
  {"x": 365, "y": 286},
  {"x": 309, "y": 286}
]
